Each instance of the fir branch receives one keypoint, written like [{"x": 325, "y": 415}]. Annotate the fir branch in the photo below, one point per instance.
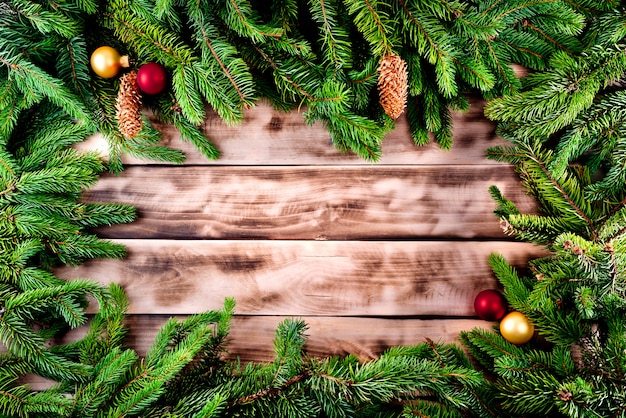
[
  {"x": 21, "y": 401},
  {"x": 90, "y": 398},
  {"x": 239, "y": 16},
  {"x": 491, "y": 344},
  {"x": 55, "y": 296},
  {"x": 360, "y": 134},
  {"x": 533, "y": 395},
  {"x": 222, "y": 75},
  {"x": 277, "y": 71},
  {"x": 9, "y": 166},
  {"x": 527, "y": 23},
  {"x": 187, "y": 96},
  {"x": 166, "y": 11},
  {"x": 533, "y": 58},
  {"x": 572, "y": 86},
  {"x": 149, "y": 385},
  {"x": 56, "y": 180},
  {"x": 557, "y": 185},
  {"x": 512, "y": 86},
  {"x": 271, "y": 391},
  {"x": 32, "y": 79},
  {"x": 372, "y": 21},
  {"x": 229, "y": 109},
  {"x": 77, "y": 73},
  {"x": 424, "y": 39},
  {"x": 88, "y": 6},
  {"x": 244, "y": 97},
  {"x": 190, "y": 133},
  {"x": 614, "y": 221},
  {"x": 515, "y": 289},
  {"x": 476, "y": 74},
  {"x": 103, "y": 214},
  {"x": 106, "y": 329},
  {"x": 443, "y": 136},
  {"x": 540, "y": 230},
  {"x": 23, "y": 342},
  {"x": 143, "y": 33},
  {"x": 288, "y": 346},
  {"x": 335, "y": 39},
  {"x": 155, "y": 153},
  {"x": 46, "y": 21}
]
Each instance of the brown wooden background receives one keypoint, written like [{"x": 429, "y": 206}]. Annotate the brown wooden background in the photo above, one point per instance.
[{"x": 369, "y": 255}]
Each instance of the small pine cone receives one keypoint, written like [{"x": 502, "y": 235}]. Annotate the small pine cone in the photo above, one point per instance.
[
  {"x": 128, "y": 105},
  {"x": 392, "y": 84}
]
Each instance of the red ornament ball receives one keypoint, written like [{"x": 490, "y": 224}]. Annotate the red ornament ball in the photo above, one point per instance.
[
  {"x": 151, "y": 78},
  {"x": 490, "y": 305}
]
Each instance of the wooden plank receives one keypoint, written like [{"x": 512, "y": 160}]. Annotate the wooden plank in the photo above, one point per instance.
[
  {"x": 378, "y": 202},
  {"x": 322, "y": 278},
  {"x": 251, "y": 337},
  {"x": 271, "y": 137}
]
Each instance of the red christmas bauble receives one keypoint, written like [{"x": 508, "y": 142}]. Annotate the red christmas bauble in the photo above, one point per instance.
[
  {"x": 490, "y": 305},
  {"x": 151, "y": 78}
]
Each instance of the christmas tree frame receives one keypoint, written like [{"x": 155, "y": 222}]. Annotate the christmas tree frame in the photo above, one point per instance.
[{"x": 565, "y": 124}]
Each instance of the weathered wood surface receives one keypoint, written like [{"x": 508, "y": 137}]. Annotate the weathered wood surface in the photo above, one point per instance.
[
  {"x": 252, "y": 336},
  {"x": 270, "y": 137},
  {"x": 369, "y": 255},
  {"x": 312, "y": 278},
  {"x": 378, "y": 202}
]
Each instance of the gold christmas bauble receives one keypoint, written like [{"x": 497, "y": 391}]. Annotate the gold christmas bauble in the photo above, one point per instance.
[
  {"x": 107, "y": 62},
  {"x": 516, "y": 328}
]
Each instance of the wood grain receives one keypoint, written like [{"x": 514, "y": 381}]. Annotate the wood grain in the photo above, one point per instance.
[
  {"x": 321, "y": 278},
  {"x": 251, "y": 337},
  {"x": 369, "y": 255},
  {"x": 336, "y": 202},
  {"x": 271, "y": 137}
]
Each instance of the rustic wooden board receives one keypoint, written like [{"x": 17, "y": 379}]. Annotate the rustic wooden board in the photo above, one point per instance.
[
  {"x": 369, "y": 255},
  {"x": 271, "y": 137},
  {"x": 251, "y": 337},
  {"x": 322, "y": 278},
  {"x": 378, "y": 202}
]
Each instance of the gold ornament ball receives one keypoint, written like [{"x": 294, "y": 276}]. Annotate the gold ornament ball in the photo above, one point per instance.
[
  {"x": 107, "y": 62},
  {"x": 516, "y": 328}
]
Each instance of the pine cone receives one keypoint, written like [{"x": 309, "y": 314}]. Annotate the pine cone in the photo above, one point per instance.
[
  {"x": 128, "y": 105},
  {"x": 392, "y": 84}
]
